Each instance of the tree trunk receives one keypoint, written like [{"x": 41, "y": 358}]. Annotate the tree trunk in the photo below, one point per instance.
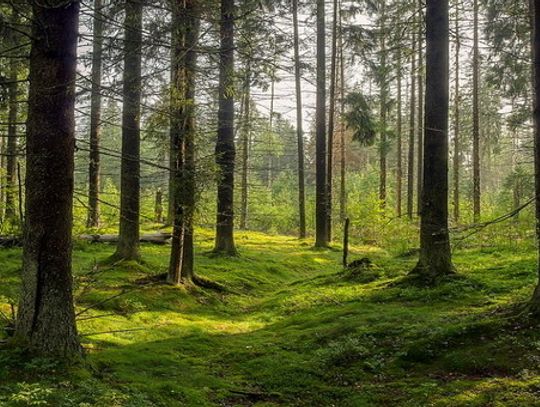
[
  {"x": 128, "y": 243},
  {"x": 331, "y": 119},
  {"x": 321, "y": 199},
  {"x": 46, "y": 317},
  {"x": 383, "y": 111},
  {"x": 343, "y": 163},
  {"x": 476, "y": 119},
  {"x": 535, "y": 302},
  {"x": 95, "y": 117},
  {"x": 435, "y": 257},
  {"x": 299, "y": 126},
  {"x": 410, "y": 161},
  {"x": 185, "y": 36},
  {"x": 225, "y": 148},
  {"x": 457, "y": 148},
  {"x": 11, "y": 150}
]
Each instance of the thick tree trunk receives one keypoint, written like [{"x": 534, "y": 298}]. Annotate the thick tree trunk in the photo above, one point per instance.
[
  {"x": 435, "y": 257},
  {"x": 46, "y": 317},
  {"x": 321, "y": 199},
  {"x": 11, "y": 150},
  {"x": 299, "y": 126},
  {"x": 476, "y": 118},
  {"x": 457, "y": 147},
  {"x": 410, "y": 161},
  {"x": 185, "y": 36},
  {"x": 535, "y": 302},
  {"x": 128, "y": 244},
  {"x": 95, "y": 117},
  {"x": 331, "y": 120},
  {"x": 225, "y": 148}
]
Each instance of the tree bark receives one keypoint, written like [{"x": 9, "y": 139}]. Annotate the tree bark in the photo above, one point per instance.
[
  {"x": 383, "y": 150},
  {"x": 343, "y": 162},
  {"x": 128, "y": 243},
  {"x": 321, "y": 199},
  {"x": 225, "y": 148},
  {"x": 476, "y": 119},
  {"x": 435, "y": 257},
  {"x": 245, "y": 149},
  {"x": 399, "y": 150},
  {"x": 46, "y": 317},
  {"x": 95, "y": 117},
  {"x": 299, "y": 126},
  {"x": 420, "y": 113},
  {"x": 185, "y": 37},
  {"x": 331, "y": 119}
]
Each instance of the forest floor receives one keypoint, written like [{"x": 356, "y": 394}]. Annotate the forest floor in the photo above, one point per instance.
[{"x": 292, "y": 330}]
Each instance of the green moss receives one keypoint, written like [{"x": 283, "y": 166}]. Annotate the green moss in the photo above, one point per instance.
[{"x": 290, "y": 330}]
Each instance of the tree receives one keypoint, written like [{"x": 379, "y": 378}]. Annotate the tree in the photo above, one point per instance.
[
  {"x": 420, "y": 108},
  {"x": 435, "y": 257},
  {"x": 185, "y": 26},
  {"x": 321, "y": 199},
  {"x": 476, "y": 117},
  {"x": 535, "y": 303},
  {"x": 128, "y": 242},
  {"x": 457, "y": 147},
  {"x": 95, "y": 116},
  {"x": 46, "y": 317},
  {"x": 410, "y": 161},
  {"x": 299, "y": 125},
  {"x": 225, "y": 149}
]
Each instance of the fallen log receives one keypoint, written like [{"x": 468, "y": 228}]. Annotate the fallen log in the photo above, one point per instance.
[{"x": 155, "y": 238}]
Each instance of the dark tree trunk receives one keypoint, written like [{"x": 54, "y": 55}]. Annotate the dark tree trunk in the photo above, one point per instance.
[
  {"x": 457, "y": 148},
  {"x": 410, "y": 161},
  {"x": 435, "y": 257},
  {"x": 184, "y": 59},
  {"x": 225, "y": 148},
  {"x": 535, "y": 303},
  {"x": 476, "y": 119},
  {"x": 46, "y": 317},
  {"x": 128, "y": 243},
  {"x": 331, "y": 119},
  {"x": 11, "y": 150},
  {"x": 321, "y": 199},
  {"x": 343, "y": 162},
  {"x": 383, "y": 149},
  {"x": 95, "y": 117},
  {"x": 299, "y": 126}
]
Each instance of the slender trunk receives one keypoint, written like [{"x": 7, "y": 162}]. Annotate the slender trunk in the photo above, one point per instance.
[
  {"x": 184, "y": 59},
  {"x": 128, "y": 240},
  {"x": 410, "y": 161},
  {"x": 46, "y": 316},
  {"x": 270, "y": 173},
  {"x": 299, "y": 126},
  {"x": 321, "y": 204},
  {"x": 95, "y": 117},
  {"x": 331, "y": 119},
  {"x": 11, "y": 150},
  {"x": 457, "y": 147},
  {"x": 399, "y": 150},
  {"x": 225, "y": 148},
  {"x": 343, "y": 162},
  {"x": 476, "y": 119},
  {"x": 383, "y": 111},
  {"x": 535, "y": 4},
  {"x": 435, "y": 257},
  {"x": 245, "y": 150}
]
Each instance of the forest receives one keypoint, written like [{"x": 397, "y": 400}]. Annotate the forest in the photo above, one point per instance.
[{"x": 269, "y": 203}]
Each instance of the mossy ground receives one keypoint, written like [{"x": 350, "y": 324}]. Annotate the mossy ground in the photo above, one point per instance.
[{"x": 292, "y": 330}]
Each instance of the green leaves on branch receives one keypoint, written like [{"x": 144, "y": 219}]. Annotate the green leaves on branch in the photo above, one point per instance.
[{"x": 359, "y": 119}]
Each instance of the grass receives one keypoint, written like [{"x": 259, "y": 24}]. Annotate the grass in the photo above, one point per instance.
[{"x": 291, "y": 330}]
